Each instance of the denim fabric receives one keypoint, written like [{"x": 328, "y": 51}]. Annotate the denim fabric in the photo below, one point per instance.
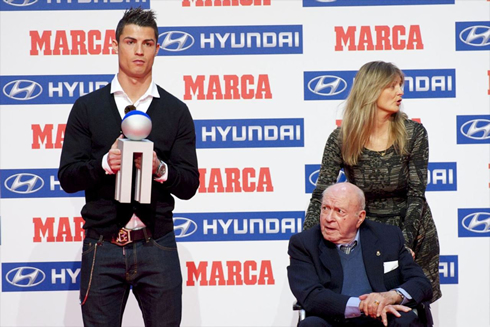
[{"x": 151, "y": 269}]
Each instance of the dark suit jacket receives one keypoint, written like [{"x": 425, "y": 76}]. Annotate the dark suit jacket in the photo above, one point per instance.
[
  {"x": 93, "y": 125},
  {"x": 315, "y": 271}
]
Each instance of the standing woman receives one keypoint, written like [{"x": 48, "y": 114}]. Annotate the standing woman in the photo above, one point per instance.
[{"x": 386, "y": 155}]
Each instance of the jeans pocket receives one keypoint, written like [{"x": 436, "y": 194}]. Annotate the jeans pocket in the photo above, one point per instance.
[
  {"x": 88, "y": 246},
  {"x": 166, "y": 242}
]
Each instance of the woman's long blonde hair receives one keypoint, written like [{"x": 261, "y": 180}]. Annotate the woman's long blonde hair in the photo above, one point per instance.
[{"x": 361, "y": 109}]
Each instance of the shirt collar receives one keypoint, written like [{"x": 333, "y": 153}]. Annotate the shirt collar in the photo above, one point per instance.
[
  {"x": 355, "y": 239},
  {"x": 152, "y": 89}
]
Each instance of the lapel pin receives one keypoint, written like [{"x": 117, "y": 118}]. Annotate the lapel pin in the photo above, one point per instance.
[{"x": 378, "y": 253}]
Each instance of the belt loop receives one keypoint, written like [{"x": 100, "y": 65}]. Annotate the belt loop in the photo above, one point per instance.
[
  {"x": 147, "y": 238},
  {"x": 101, "y": 240}
]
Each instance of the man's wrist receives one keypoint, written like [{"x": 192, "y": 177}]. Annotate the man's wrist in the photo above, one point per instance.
[
  {"x": 161, "y": 170},
  {"x": 399, "y": 297}
]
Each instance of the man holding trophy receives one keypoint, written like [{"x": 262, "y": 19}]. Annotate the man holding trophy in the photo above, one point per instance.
[{"x": 130, "y": 242}]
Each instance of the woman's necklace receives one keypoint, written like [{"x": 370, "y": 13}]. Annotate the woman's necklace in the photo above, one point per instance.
[{"x": 383, "y": 152}]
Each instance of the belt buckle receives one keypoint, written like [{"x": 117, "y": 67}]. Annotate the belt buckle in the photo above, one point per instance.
[{"x": 123, "y": 237}]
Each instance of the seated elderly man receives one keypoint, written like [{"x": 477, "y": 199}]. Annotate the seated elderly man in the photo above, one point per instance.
[{"x": 350, "y": 272}]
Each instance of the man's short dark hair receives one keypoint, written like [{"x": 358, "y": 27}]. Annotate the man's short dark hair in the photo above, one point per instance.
[{"x": 139, "y": 17}]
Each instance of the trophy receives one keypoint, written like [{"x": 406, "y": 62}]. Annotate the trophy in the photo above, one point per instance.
[{"x": 136, "y": 125}]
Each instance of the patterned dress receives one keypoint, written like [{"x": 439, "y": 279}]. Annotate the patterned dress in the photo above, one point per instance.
[{"x": 394, "y": 186}]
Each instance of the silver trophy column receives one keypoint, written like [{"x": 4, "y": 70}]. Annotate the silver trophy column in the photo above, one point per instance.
[
  {"x": 143, "y": 179},
  {"x": 136, "y": 126}
]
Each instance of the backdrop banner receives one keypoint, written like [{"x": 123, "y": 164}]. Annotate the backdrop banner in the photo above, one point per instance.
[{"x": 266, "y": 82}]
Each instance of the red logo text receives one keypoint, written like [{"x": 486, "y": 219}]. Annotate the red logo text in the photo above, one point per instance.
[
  {"x": 50, "y": 136},
  {"x": 488, "y": 79},
  {"x": 63, "y": 229},
  {"x": 234, "y": 273},
  {"x": 227, "y": 87},
  {"x": 225, "y": 3},
  {"x": 234, "y": 180},
  {"x": 68, "y": 43},
  {"x": 366, "y": 38}
]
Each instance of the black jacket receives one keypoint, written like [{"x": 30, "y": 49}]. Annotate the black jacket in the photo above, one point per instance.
[{"x": 93, "y": 125}]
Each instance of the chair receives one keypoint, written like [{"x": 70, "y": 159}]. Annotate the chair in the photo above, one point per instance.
[
  {"x": 302, "y": 312},
  {"x": 422, "y": 311}
]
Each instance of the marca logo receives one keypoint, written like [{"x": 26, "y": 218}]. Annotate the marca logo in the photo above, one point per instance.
[
  {"x": 472, "y": 36},
  {"x": 225, "y": 3},
  {"x": 473, "y": 129},
  {"x": 49, "y": 136},
  {"x": 488, "y": 73},
  {"x": 214, "y": 273},
  {"x": 250, "y": 133},
  {"x": 230, "y": 40},
  {"x": 227, "y": 87},
  {"x": 40, "y": 276},
  {"x": 474, "y": 222},
  {"x": 24, "y": 5},
  {"x": 311, "y": 177},
  {"x": 382, "y": 38},
  {"x": 235, "y": 180},
  {"x": 61, "y": 229},
  {"x": 420, "y": 83},
  {"x": 448, "y": 269},
  {"x": 49, "y": 89},
  {"x": 442, "y": 176},
  {"x": 237, "y": 226},
  {"x": 33, "y": 183},
  {"x": 72, "y": 43},
  {"x": 340, "y": 3}
]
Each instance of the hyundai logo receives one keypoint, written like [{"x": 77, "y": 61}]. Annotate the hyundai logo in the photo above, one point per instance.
[
  {"x": 341, "y": 177},
  {"x": 478, "y": 222},
  {"x": 313, "y": 178},
  {"x": 327, "y": 85},
  {"x": 184, "y": 227},
  {"x": 176, "y": 41},
  {"x": 22, "y": 90},
  {"x": 20, "y": 3},
  {"x": 471, "y": 129},
  {"x": 25, "y": 276},
  {"x": 478, "y": 36},
  {"x": 24, "y": 183}
]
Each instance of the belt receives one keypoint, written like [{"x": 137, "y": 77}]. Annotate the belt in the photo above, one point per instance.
[{"x": 124, "y": 236}]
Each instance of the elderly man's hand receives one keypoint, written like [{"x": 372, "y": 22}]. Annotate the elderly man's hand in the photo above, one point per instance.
[
  {"x": 393, "y": 309},
  {"x": 373, "y": 304}
]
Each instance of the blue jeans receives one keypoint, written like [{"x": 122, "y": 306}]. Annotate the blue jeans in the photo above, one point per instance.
[{"x": 151, "y": 269}]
